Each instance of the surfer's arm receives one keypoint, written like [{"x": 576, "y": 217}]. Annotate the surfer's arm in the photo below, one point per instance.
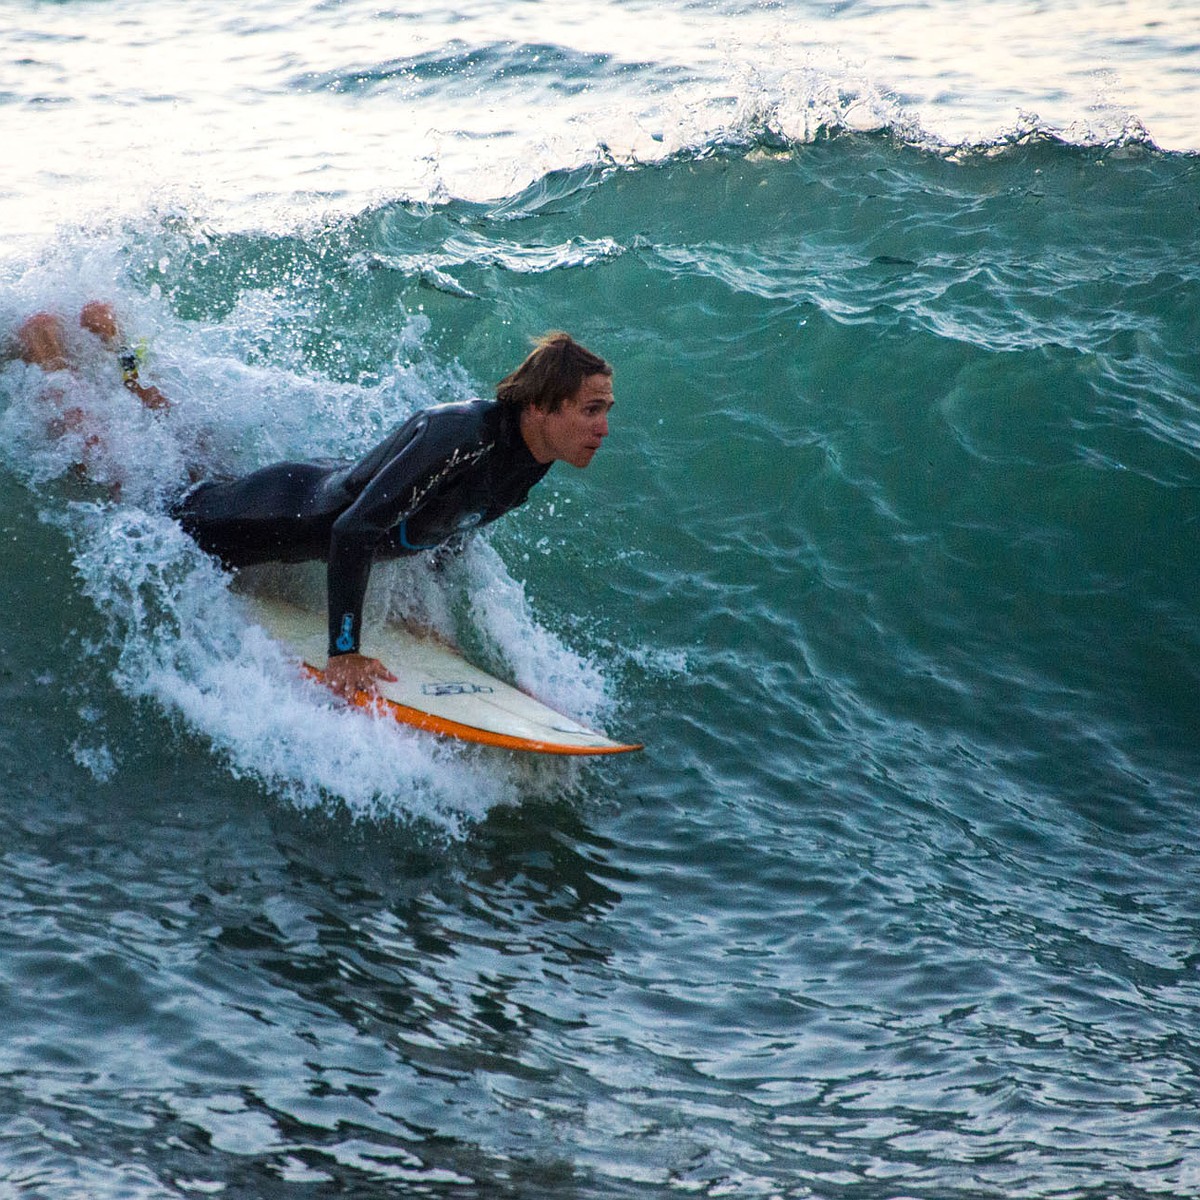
[
  {"x": 395, "y": 491},
  {"x": 99, "y": 317},
  {"x": 351, "y": 552},
  {"x": 348, "y": 671}
]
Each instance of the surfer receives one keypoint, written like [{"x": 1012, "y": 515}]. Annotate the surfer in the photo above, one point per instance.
[{"x": 446, "y": 470}]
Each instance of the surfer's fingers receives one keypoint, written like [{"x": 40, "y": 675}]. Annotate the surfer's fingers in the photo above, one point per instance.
[
  {"x": 376, "y": 669},
  {"x": 350, "y": 673},
  {"x": 385, "y": 676}
]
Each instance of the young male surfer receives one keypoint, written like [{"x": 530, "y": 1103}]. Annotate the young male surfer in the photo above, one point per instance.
[{"x": 444, "y": 471}]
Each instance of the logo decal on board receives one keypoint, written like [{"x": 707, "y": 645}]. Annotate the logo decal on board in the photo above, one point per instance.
[{"x": 454, "y": 689}]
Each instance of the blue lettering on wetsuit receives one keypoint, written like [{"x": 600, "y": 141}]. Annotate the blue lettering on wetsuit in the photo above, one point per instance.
[{"x": 345, "y": 642}]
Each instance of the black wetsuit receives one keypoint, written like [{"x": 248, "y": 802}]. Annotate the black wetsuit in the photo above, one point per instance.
[{"x": 445, "y": 470}]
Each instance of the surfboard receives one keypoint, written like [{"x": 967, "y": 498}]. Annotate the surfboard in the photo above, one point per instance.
[{"x": 437, "y": 689}]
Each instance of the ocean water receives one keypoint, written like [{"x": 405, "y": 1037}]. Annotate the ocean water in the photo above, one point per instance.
[{"x": 890, "y": 559}]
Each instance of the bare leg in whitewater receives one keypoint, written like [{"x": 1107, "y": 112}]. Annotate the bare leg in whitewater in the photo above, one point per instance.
[{"x": 42, "y": 341}]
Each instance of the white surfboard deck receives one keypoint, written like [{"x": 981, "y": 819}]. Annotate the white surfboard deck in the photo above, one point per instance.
[{"x": 436, "y": 688}]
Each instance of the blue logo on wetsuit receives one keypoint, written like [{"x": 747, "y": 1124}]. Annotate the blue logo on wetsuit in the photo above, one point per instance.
[{"x": 345, "y": 641}]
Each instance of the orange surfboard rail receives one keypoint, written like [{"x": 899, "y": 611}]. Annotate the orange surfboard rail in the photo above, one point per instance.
[{"x": 445, "y": 727}]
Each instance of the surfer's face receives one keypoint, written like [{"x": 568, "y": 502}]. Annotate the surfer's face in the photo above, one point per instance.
[{"x": 574, "y": 431}]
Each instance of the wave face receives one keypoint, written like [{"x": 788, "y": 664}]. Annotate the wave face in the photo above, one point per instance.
[{"x": 889, "y": 559}]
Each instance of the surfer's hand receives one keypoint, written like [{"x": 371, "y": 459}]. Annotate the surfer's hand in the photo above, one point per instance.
[{"x": 350, "y": 673}]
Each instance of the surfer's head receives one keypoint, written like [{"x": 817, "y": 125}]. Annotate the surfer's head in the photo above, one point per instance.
[
  {"x": 554, "y": 372},
  {"x": 574, "y": 430}
]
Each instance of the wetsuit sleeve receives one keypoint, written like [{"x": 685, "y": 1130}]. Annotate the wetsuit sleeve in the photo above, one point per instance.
[{"x": 392, "y": 491}]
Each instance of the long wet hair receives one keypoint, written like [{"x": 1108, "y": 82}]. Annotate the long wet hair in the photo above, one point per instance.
[{"x": 554, "y": 370}]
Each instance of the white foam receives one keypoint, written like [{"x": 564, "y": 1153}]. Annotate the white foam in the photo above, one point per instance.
[
  {"x": 181, "y": 637},
  {"x": 98, "y": 760},
  {"x": 184, "y": 640},
  {"x": 539, "y": 660}
]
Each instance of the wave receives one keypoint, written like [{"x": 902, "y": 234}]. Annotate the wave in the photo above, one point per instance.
[{"x": 914, "y": 386}]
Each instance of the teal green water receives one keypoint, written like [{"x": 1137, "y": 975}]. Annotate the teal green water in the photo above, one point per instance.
[{"x": 890, "y": 559}]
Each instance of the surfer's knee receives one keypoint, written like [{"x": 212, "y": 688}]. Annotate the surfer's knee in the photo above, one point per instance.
[
  {"x": 41, "y": 340},
  {"x": 99, "y": 317}
]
